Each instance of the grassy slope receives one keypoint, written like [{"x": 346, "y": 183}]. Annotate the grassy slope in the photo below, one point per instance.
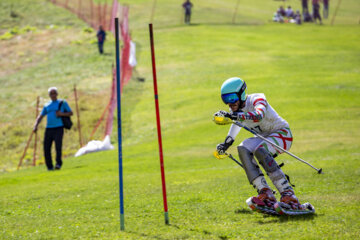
[
  {"x": 314, "y": 88},
  {"x": 65, "y": 55},
  {"x": 62, "y": 56}
]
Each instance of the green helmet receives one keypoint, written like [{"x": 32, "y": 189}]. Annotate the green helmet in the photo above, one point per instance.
[{"x": 233, "y": 90}]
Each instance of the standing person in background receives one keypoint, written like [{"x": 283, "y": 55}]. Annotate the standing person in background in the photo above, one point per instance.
[
  {"x": 326, "y": 8},
  {"x": 101, "y": 36},
  {"x": 307, "y": 17},
  {"x": 54, "y": 128},
  {"x": 316, "y": 10},
  {"x": 187, "y": 7},
  {"x": 304, "y": 4}
]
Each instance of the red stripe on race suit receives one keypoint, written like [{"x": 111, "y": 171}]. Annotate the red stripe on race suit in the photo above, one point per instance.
[
  {"x": 260, "y": 110},
  {"x": 253, "y": 117},
  {"x": 281, "y": 137},
  {"x": 261, "y": 114},
  {"x": 259, "y": 99},
  {"x": 284, "y": 130},
  {"x": 284, "y": 139}
]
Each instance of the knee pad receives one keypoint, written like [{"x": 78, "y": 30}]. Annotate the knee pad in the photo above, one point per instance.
[
  {"x": 251, "y": 168},
  {"x": 272, "y": 169},
  {"x": 266, "y": 160}
]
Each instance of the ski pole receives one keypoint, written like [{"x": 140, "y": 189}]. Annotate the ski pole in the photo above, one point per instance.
[
  {"x": 278, "y": 147},
  {"x": 234, "y": 159},
  {"x": 224, "y": 155}
]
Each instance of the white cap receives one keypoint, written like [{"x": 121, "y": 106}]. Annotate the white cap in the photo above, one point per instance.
[{"x": 52, "y": 89}]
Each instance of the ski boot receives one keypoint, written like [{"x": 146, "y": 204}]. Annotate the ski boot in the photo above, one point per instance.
[
  {"x": 290, "y": 205},
  {"x": 264, "y": 202}
]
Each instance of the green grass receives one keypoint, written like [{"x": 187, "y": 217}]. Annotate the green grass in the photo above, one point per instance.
[
  {"x": 59, "y": 52},
  {"x": 309, "y": 73}
]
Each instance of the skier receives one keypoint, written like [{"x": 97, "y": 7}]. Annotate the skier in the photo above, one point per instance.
[{"x": 256, "y": 113}]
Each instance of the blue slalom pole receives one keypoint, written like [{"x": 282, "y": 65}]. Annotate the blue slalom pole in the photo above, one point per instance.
[{"x": 121, "y": 189}]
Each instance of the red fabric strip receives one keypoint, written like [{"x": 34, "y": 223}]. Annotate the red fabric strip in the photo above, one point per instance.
[{"x": 259, "y": 99}]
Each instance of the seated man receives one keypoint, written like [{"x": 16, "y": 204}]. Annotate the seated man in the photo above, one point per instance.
[
  {"x": 289, "y": 12},
  {"x": 281, "y": 11},
  {"x": 297, "y": 17}
]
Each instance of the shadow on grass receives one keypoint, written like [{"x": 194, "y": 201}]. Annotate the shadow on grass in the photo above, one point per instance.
[
  {"x": 275, "y": 218},
  {"x": 147, "y": 235},
  {"x": 205, "y": 232},
  {"x": 243, "y": 211},
  {"x": 107, "y": 54},
  {"x": 279, "y": 219}
]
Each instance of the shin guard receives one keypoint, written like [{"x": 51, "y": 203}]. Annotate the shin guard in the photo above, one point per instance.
[
  {"x": 251, "y": 168},
  {"x": 272, "y": 169}
]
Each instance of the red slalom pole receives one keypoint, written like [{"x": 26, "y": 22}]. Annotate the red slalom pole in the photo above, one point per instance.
[{"x": 166, "y": 214}]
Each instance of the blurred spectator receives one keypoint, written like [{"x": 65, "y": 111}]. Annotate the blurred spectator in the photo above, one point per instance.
[
  {"x": 281, "y": 11},
  {"x": 187, "y": 7},
  {"x": 326, "y": 8},
  {"x": 316, "y": 10},
  {"x": 304, "y": 4},
  {"x": 289, "y": 12},
  {"x": 278, "y": 18},
  {"x": 54, "y": 109},
  {"x": 297, "y": 17},
  {"x": 307, "y": 17},
  {"x": 101, "y": 36}
]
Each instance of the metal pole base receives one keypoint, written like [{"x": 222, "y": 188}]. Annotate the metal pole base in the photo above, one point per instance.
[
  {"x": 166, "y": 214},
  {"x": 122, "y": 222}
]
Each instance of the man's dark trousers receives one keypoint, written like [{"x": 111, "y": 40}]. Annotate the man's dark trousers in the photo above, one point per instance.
[
  {"x": 53, "y": 134},
  {"x": 187, "y": 17},
  {"x": 101, "y": 47}
]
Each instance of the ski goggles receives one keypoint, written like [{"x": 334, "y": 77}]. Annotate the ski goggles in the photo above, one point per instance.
[{"x": 230, "y": 98}]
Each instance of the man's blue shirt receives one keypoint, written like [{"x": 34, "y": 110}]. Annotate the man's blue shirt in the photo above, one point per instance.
[{"x": 50, "y": 109}]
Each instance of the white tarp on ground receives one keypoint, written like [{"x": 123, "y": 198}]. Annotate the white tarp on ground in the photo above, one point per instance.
[{"x": 95, "y": 146}]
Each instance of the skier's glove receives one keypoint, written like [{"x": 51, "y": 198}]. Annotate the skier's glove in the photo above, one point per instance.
[{"x": 222, "y": 147}]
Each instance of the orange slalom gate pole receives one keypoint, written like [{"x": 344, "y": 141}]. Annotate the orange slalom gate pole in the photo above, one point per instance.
[
  {"x": 153, "y": 11},
  {"x": 103, "y": 23},
  {"x": 91, "y": 14},
  {"x": 235, "y": 12},
  {"x": 26, "y": 147},
  {"x": 35, "y": 144},
  {"x": 335, "y": 13},
  {"x": 78, "y": 116}
]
